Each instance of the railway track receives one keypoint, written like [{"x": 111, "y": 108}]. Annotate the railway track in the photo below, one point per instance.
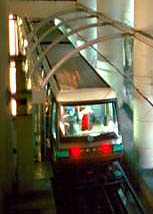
[{"x": 109, "y": 193}]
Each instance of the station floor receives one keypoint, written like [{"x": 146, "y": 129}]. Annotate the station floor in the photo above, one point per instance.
[{"x": 41, "y": 200}]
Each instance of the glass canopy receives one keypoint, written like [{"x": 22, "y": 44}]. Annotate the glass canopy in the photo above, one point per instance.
[{"x": 103, "y": 44}]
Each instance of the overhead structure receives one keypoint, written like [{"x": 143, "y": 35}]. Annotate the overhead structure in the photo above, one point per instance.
[
  {"x": 87, "y": 14},
  {"x": 77, "y": 50},
  {"x": 55, "y": 27},
  {"x": 49, "y": 19},
  {"x": 58, "y": 40},
  {"x": 102, "y": 20},
  {"x": 107, "y": 39}
]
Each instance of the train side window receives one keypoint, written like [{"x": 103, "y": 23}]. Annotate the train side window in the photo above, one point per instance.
[{"x": 53, "y": 120}]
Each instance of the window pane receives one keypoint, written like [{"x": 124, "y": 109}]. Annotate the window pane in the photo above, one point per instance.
[
  {"x": 93, "y": 119},
  {"x": 53, "y": 126}
]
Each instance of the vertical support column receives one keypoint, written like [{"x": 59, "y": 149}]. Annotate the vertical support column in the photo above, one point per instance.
[
  {"x": 23, "y": 126},
  {"x": 39, "y": 137},
  {"x": 143, "y": 72},
  {"x": 5, "y": 130},
  {"x": 110, "y": 48}
]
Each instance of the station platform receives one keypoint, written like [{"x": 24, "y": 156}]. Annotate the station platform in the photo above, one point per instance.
[{"x": 40, "y": 200}]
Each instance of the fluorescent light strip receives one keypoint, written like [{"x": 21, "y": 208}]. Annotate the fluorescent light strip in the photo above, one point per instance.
[{"x": 12, "y": 77}]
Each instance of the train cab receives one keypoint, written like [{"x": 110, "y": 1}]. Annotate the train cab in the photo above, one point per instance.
[{"x": 84, "y": 126}]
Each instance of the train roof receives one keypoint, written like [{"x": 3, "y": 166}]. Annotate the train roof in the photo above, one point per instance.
[
  {"x": 85, "y": 95},
  {"x": 76, "y": 80},
  {"x": 74, "y": 86}
]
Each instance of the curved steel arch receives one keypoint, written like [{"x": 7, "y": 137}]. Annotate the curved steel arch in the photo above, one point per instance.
[
  {"x": 50, "y": 30},
  {"x": 48, "y": 19},
  {"x": 139, "y": 35},
  {"x": 60, "y": 39},
  {"x": 77, "y": 50}
]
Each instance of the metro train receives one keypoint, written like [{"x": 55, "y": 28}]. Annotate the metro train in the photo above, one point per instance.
[{"x": 84, "y": 121}]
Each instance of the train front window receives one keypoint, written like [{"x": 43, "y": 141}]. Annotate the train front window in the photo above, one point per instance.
[{"x": 93, "y": 119}]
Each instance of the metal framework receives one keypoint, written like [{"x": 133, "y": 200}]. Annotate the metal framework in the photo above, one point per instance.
[
  {"x": 50, "y": 30},
  {"x": 139, "y": 35},
  {"x": 48, "y": 19},
  {"x": 73, "y": 31},
  {"x": 77, "y": 50},
  {"x": 126, "y": 30}
]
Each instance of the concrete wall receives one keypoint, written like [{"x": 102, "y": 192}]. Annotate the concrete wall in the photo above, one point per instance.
[
  {"x": 118, "y": 9},
  {"x": 143, "y": 73}
]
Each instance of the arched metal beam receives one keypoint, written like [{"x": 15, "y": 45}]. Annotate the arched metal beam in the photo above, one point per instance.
[
  {"x": 139, "y": 35},
  {"x": 48, "y": 19},
  {"x": 118, "y": 25},
  {"x": 50, "y": 30},
  {"x": 77, "y": 50},
  {"x": 61, "y": 38}
]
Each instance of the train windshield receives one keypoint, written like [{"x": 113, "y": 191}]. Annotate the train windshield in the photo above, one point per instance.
[{"x": 91, "y": 119}]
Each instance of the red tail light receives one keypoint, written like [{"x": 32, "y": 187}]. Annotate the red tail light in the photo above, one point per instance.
[
  {"x": 106, "y": 148},
  {"x": 75, "y": 151}
]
